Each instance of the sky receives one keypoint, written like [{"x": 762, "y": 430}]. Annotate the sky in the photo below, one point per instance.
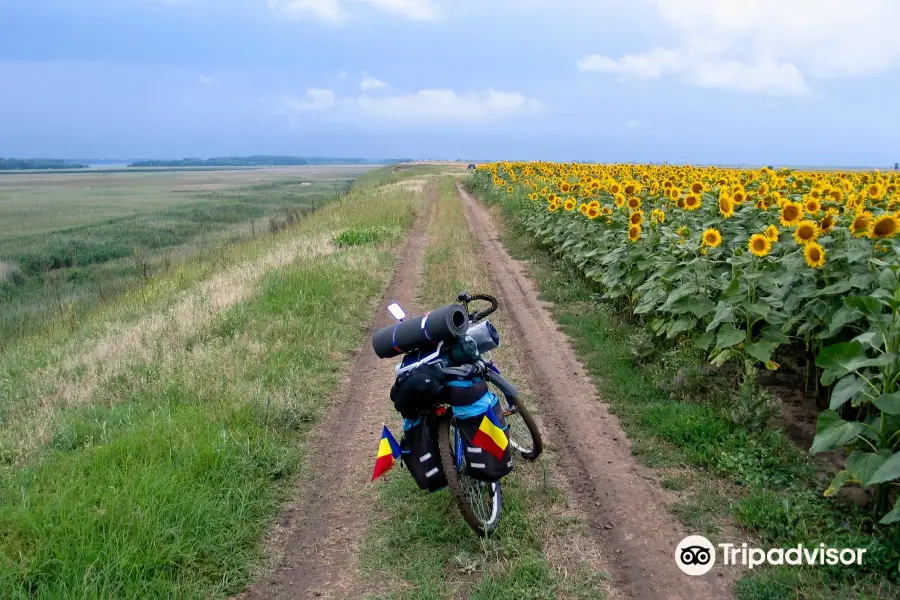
[{"x": 801, "y": 82}]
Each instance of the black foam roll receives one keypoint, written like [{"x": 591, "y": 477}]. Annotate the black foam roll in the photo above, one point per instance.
[{"x": 444, "y": 324}]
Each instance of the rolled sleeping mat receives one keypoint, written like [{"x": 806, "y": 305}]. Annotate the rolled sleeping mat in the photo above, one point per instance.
[
  {"x": 485, "y": 335},
  {"x": 445, "y": 324}
]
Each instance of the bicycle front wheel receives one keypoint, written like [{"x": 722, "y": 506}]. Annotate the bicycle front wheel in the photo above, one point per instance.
[
  {"x": 524, "y": 434},
  {"x": 479, "y": 502}
]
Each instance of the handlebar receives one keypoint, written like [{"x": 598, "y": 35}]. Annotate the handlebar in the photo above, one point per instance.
[{"x": 466, "y": 298}]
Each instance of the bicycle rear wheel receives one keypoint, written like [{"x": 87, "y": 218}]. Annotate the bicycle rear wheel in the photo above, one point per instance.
[{"x": 479, "y": 502}]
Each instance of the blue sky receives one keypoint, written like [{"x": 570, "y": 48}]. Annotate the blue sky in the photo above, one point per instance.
[{"x": 699, "y": 81}]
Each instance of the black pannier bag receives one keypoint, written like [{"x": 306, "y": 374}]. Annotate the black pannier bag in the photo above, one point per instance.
[
  {"x": 479, "y": 445},
  {"x": 418, "y": 448},
  {"x": 418, "y": 391}
]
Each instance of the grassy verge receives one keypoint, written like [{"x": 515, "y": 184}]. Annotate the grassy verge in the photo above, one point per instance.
[
  {"x": 424, "y": 547},
  {"x": 732, "y": 484},
  {"x": 164, "y": 482}
]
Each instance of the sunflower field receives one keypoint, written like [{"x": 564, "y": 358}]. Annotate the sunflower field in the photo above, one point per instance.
[{"x": 747, "y": 264}]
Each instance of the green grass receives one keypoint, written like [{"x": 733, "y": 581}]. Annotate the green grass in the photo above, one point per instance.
[
  {"x": 76, "y": 241},
  {"x": 423, "y": 547},
  {"x": 758, "y": 481},
  {"x": 361, "y": 237},
  {"x": 164, "y": 484}
]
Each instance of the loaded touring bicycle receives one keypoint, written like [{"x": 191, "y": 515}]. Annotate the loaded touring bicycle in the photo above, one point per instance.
[{"x": 462, "y": 419}]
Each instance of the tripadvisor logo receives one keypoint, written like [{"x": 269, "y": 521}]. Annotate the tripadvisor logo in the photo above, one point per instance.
[{"x": 696, "y": 555}]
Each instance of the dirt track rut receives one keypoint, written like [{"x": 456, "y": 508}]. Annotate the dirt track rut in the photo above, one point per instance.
[
  {"x": 316, "y": 538},
  {"x": 629, "y": 514}
]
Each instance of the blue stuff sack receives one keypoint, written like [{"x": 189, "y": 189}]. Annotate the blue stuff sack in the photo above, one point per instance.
[{"x": 477, "y": 408}]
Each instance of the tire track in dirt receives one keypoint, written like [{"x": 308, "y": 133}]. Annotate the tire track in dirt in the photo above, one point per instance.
[
  {"x": 629, "y": 513},
  {"x": 315, "y": 540}
]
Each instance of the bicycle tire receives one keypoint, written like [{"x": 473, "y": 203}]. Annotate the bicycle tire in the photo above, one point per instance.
[
  {"x": 455, "y": 485},
  {"x": 537, "y": 442}
]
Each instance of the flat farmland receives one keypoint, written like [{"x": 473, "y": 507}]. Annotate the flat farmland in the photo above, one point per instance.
[
  {"x": 34, "y": 203},
  {"x": 69, "y": 241}
]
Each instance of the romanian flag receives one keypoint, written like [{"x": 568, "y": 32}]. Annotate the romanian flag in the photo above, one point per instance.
[
  {"x": 388, "y": 453},
  {"x": 490, "y": 435}
]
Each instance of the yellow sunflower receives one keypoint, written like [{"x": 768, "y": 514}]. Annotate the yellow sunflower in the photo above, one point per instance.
[
  {"x": 593, "y": 211},
  {"x": 583, "y": 208},
  {"x": 657, "y": 216},
  {"x": 814, "y": 255},
  {"x": 726, "y": 206},
  {"x": 827, "y": 223},
  {"x": 570, "y": 204},
  {"x": 791, "y": 213},
  {"x": 885, "y": 226},
  {"x": 772, "y": 233},
  {"x": 692, "y": 202},
  {"x": 634, "y": 203},
  {"x": 634, "y": 233},
  {"x": 739, "y": 196},
  {"x": 712, "y": 238},
  {"x": 553, "y": 206},
  {"x": 759, "y": 245},
  {"x": 620, "y": 200},
  {"x": 806, "y": 232},
  {"x": 697, "y": 187},
  {"x": 636, "y": 218},
  {"x": 854, "y": 202},
  {"x": 509, "y": 189},
  {"x": 813, "y": 205},
  {"x": 861, "y": 224}
]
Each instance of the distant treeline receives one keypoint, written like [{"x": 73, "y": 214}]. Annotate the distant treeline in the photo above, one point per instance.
[
  {"x": 261, "y": 161},
  {"x": 23, "y": 164}
]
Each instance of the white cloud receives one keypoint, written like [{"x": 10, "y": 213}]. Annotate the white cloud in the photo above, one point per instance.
[
  {"x": 766, "y": 46},
  {"x": 315, "y": 100},
  {"x": 205, "y": 80},
  {"x": 330, "y": 11},
  {"x": 446, "y": 106},
  {"x": 765, "y": 76},
  {"x": 370, "y": 83},
  {"x": 650, "y": 65},
  {"x": 633, "y": 124},
  {"x": 337, "y": 11},
  {"x": 416, "y": 108},
  {"x": 420, "y": 10}
]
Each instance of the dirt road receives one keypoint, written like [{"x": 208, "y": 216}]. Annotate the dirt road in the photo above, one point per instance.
[
  {"x": 630, "y": 517},
  {"x": 315, "y": 540}
]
